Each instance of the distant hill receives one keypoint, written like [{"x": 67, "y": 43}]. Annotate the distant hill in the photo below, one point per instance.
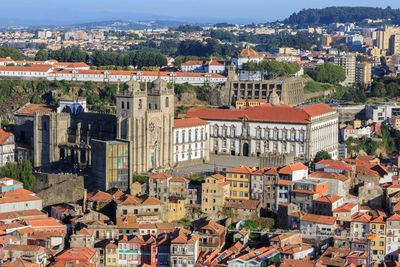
[
  {"x": 130, "y": 25},
  {"x": 324, "y": 16}
]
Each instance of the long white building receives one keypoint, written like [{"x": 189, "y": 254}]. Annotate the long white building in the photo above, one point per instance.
[
  {"x": 77, "y": 72},
  {"x": 272, "y": 128}
]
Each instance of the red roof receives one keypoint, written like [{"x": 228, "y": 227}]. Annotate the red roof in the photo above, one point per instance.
[
  {"x": 189, "y": 122},
  {"x": 248, "y": 52},
  {"x": 4, "y": 136},
  {"x": 318, "y": 109},
  {"x": 319, "y": 219},
  {"x": 329, "y": 199},
  {"x": 30, "y": 109},
  {"x": 160, "y": 176},
  {"x": 328, "y": 175},
  {"x": 284, "y": 182},
  {"x": 345, "y": 208},
  {"x": 179, "y": 179},
  {"x": 294, "y": 167},
  {"x": 265, "y": 112},
  {"x": 241, "y": 169}
]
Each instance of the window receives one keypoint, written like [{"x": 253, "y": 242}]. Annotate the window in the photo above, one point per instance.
[
  {"x": 183, "y": 136},
  {"x": 177, "y": 137},
  {"x": 140, "y": 104},
  {"x": 127, "y": 105},
  {"x": 196, "y": 133},
  {"x": 167, "y": 101},
  {"x": 190, "y": 136},
  {"x": 202, "y": 132},
  {"x": 122, "y": 104}
]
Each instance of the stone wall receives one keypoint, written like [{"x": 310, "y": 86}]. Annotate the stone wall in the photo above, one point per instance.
[{"x": 55, "y": 188}]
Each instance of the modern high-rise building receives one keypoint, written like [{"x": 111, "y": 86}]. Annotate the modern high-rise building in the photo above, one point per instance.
[
  {"x": 348, "y": 63},
  {"x": 363, "y": 73},
  {"x": 394, "y": 44}
]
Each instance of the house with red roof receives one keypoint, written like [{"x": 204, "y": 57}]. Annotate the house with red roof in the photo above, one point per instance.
[
  {"x": 138, "y": 250},
  {"x": 304, "y": 191},
  {"x": 338, "y": 184},
  {"x": 312, "y": 225},
  {"x": 246, "y": 55},
  {"x": 159, "y": 186},
  {"x": 191, "y": 141},
  {"x": 239, "y": 179},
  {"x": 79, "y": 254},
  {"x": 211, "y": 235},
  {"x": 325, "y": 205},
  {"x": 7, "y": 147},
  {"x": 275, "y": 128}
]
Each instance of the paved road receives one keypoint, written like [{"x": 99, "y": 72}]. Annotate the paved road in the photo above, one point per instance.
[{"x": 217, "y": 164}]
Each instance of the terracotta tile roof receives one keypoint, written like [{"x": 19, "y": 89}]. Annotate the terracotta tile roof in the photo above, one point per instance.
[
  {"x": 299, "y": 214},
  {"x": 24, "y": 248},
  {"x": 85, "y": 231},
  {"x": 179, "y": 179},
  {"x": 160, "y": 176},
  {"x": 212, "y": 225},
  {"x": 284, "y": 182},
  {"x": 361, "y": 217},
  {"x": 99, "y": 196},
  {"x": 20, "y": 214},
  {"x": 394, "y": 217},
  {"x": 347, "y": 207},
  {"x": 19, "y": 198},
  {"x": 319, "y": 219},
  {"x": 152, "y": 201},
  {"x": 288, "y": 169},
  {"x": 4, "y": 136},
  {"x": 44, "y": 222},
  {"x": 189, "y": 122},
  {"x": 218, "y": 176},
  {"x": 19, "y": 263},
  {"x": 329, "y": 199},
  {"x": 336, "y": 164},
  {"x": 33, "y": 68},
  {"x": 127, "y": 222},
  {"x": 297, "y": 263},
  {"x": 318, "y": 109},
  {"x": 309, "y": 192},
  {"x": 83, "y": 254},
  {"x": 377, "y": 220},
  {"x": 192, "y": 62},
  {"x": 30, "y": 109},
  {"x": 241, "y": 169},
  {"x": 267, "y": 112},
  {"x": 328, "y": 175},
  {"x": 248, "y": 52}
]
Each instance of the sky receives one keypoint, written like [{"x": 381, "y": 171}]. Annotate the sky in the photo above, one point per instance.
[{"x": 36, "y": 12}]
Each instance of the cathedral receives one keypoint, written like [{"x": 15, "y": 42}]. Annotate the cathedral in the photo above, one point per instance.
[{"x": 137, "y": 140}]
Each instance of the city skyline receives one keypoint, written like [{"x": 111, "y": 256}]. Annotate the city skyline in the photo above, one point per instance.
[{"x": 44, "y": 12}]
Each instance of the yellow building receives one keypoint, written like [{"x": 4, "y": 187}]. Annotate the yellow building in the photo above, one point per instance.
[
  {"x": 214, "y": 191},
  {"x": 239, "y": 181},
  {"x": 111, "y": 255},
  {"x": 136, "y": 188},
  {"x": 176, "y": 209},
  {"x": 377, "y": 239},
  {"x": 357, "y": 124},
  {"x": 363, "y": 73},
  {"x": 395, "y": 122},
  {"x": 244, "y": 103}
]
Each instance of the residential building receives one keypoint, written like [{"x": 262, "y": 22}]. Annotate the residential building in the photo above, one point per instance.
[
  {"x": 345, "y": 212},
  {"x": 305, "y": 191},
  {"x": 395, "y": 122},
  {"x": 16, "y": 198},
  {"x": 260, "y": 257},
  {"x": 211, "y": 235},
  {"x": 7, "y": 147},
  {"x": 214, "y": 191},
  {"x": 338, "y": 184},
  {"x": 81, "y": 254},
  {"x": 159, "y": 186},
  {"x": 82, "y": 238},
  {"x": 312, "y": 225},
  {"x": 348, "y": 63},
  {"x": 392, "y": 240},
  {"x": 176, "y": 208},
  {"x": 137, "y": 250},
  {"x": 239, "y": 179},
  {"x": 382, "y": 112},
  {"x": 184, "y": 248},
  {"x": 377, "y": 239},
  {"x": 178, "y": 187},
  {"x": 359, "y": 226},
  {"x": 111, "y": 255},
  {"x": 29, "y": 253},
  {"x": 244, "y": 209},
  {"x": 327, "y": 204},
  {"x": 146, "y": 208},
  {"x": 363, "y": 73},
  {"x": 191, "y": 141}
]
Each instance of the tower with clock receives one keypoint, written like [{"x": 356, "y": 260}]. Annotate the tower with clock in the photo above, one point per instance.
[{"x": 145, "y": 118}]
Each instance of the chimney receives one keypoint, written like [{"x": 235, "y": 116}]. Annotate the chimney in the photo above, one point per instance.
[{"x": 84, "y": 200}]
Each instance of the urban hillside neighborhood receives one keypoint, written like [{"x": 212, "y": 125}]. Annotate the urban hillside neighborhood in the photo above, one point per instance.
[{"x": 219, "y": 145}]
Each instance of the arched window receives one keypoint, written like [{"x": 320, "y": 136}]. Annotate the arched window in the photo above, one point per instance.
[
  {"x": 176, "y": 137},
  {"x": 122, "y": 104},
  {"x": 183, "y": 136},
  {"x": 140, "y": 104},
  {"x": 196, "y": 135},
  {"x": 127, "y": 105},
  {"x": 167, "y": 101},
  {"x": 190, "y": 135},
  {"x": 202, "y": 134}
]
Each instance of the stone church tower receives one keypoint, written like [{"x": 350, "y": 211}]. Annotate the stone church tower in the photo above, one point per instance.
[{"x": 145, "y": 118}]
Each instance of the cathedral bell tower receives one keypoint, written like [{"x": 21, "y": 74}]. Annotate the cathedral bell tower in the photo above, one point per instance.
[{"x": 145, "y": 118}]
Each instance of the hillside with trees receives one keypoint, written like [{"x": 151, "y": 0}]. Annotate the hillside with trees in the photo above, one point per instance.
[{"x": 324, "y": 16}]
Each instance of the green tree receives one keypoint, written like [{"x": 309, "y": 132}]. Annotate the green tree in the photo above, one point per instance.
[
  {"x": 21, "y": 172},
  {"x": 42, "y": 55},
  {"x": 321, "y": 155},
  {"x": 11, "y": 52},
  {"x": 328, "y": 73}
]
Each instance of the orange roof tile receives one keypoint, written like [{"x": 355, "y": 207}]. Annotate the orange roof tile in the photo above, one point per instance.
[
  {"x": 241, "y": 169},
  {"x": 4, "y": 136},
  {"x": 329, "y": 199},
  {"x": 30, "y": 109},
  {"x": 288, "y": 169},
  {"x": 328, "y": 175},
  {"x": 179, "y": 179},
  {"x": 160, "y": 176},
  {"x": 318, "y": 109},
  {"x": 189, "y": 122},
  {"x": 319, "y": 219}
]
